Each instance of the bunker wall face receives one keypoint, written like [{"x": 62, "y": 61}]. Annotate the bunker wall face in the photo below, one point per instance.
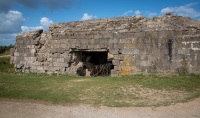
[{"x": 134, "y": 50}]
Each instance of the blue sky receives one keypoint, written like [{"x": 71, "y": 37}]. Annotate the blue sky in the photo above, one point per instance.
[{"x": 17, "y": 16}]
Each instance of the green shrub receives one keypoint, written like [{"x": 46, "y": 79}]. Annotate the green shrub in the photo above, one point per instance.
[{"x": 4, "y": 49}]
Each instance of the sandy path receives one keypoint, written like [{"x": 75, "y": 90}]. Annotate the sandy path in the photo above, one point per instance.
[{"x": 24, "y": 109}]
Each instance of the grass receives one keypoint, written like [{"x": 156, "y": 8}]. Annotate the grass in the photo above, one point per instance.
[
  {"x": 126, "y": 91},
  {"x": 137, "y": 90}
]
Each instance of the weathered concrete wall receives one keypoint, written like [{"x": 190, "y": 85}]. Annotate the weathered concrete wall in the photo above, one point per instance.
[{"x": 167, "y": 44}]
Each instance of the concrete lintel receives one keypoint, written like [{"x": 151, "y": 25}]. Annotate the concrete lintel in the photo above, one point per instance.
[{"x": 88, "y": 50}]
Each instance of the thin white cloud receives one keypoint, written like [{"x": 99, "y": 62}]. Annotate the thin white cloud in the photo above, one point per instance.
[
  {"x": 45, "y": 23},
  {"x": 152, "y": 14},
  {"x": 86, "y": 16},
  {"x": 11, "y": 22},
  {"x": 127, "y": 13},
  {"x": 138, "y": 13},
  {"x": 185, "y": 10},
  {"x": 27, "y": 29}
]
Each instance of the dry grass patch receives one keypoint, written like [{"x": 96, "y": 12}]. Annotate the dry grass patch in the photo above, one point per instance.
[{"x": 151, "y": 97}]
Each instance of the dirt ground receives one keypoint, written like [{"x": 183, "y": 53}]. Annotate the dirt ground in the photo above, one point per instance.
[{"x": 33, "y": 109}]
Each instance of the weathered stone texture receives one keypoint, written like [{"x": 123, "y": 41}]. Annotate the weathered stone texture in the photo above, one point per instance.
[{"x": 167, "y": 44}]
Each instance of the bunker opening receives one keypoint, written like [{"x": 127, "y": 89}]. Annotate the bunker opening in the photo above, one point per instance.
[{"x": 92, "y": 62}]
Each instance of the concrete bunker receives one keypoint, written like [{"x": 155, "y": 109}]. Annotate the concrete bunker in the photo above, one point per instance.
[
  {"x": 91, "y": 62},
  {"x": 166, "y": 44}
]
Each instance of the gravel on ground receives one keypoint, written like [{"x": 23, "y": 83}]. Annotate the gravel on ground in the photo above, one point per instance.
[{"x": 34, "y": 109}]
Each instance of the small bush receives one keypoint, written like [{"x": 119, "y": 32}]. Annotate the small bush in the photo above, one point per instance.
[{"x": 4, "y": 49}]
